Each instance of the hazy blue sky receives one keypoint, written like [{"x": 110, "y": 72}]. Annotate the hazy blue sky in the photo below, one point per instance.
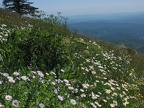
[{"x": 79, "y": 7}]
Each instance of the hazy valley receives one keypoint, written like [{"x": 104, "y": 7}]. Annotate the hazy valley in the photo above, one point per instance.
[{"x": 120, "y": 28}]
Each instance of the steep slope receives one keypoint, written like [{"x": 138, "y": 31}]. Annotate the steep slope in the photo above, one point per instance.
[{"x": 52, "y": 67}]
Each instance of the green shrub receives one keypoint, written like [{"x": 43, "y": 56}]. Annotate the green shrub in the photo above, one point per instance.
[{"x": 33, "y": 48}]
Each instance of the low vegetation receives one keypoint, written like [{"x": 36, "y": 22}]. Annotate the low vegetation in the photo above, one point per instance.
[{"x": 44, "y": 64}]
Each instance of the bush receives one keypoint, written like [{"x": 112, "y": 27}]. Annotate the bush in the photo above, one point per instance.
[{"x": 32, "y": 48}]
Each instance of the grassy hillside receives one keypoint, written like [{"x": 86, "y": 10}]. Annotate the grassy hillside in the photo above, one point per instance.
[{"x": 44, "y": 64}]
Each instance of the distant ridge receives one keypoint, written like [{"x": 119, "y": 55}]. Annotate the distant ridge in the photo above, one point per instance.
[
  {"x": 117, "y": 28},
  {"x": 109, "y": 17}
]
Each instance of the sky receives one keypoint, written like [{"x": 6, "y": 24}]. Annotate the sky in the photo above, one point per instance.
[{"x": 82, "y": 7}]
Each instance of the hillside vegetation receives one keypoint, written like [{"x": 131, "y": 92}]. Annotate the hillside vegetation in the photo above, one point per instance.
[{"x": 44, "y": 64}]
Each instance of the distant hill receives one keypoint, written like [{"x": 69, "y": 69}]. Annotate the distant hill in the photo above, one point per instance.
[
  {"x": 131, "y": 17},
  {"x": 124, "y": 28}
]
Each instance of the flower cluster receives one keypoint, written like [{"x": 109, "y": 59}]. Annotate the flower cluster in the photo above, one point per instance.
[
  {"x": 4, "y": 32},
  {"x": 15, "y": 103},
  {"x": 93, "y": 79}
]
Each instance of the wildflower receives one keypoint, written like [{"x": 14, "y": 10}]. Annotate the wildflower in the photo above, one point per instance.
[
  {"x": 56, "y": 91},
  {"x": 108, "y": 91},
  {"x": 11, "y": 80},
  {"x": 104, "y": 100},
  {"x": 1, "y": 82},
  {"x": 3, "y": 25},
  {"x": 9, "y": 77},
  {"x": 125, "y": 103},
  {"x": 102, "y": 70},
  {"x": 124, "y": 92},
  {"x": 33, "y": 72},
  {"x": 76, "y": 90},
  {"x": 100, "y": 67},
  {"x": 33, "y": 77},
  {"x": 40, "y": 74},
  {"x": 124, "y": 86},
  {"x": 25, "y": 78},
  {"x": 81, "y": 90},
  {"x": 97, "y": 80},
  {"x": 8, "y": 97},
  {"x": 60, "y": 98},
  {"x": 82, "y": 68},
  {"x": 94, "y": 96},
  {"x": 87, "y": 70},
  {"x": 118, "y": 88},
  {"x": 58, "y": 80},
  {"x": 130, "y": 74},
  {"x": 88, "y": 60},
  {"x": 83, "y": 95},
  {"x": 47, "y": 73},
  {"x": 29, "y": 25},
  {"x": 70, "y": 88},
  {"x": 91, "y": 67},
  {"x": 5, "y": 74},
  {"x": 97, "y": 104},
  {"x": 16, "y": 73},
  {"x": 114, "y": 94},
  {"x": 126, "y": 98},
  {"x": 113, "y": 88},
  {"x": 73, "y": 102},
  {"x": 2, "y": 106},
  {"x": 85, "y": 86},
  {"x": 66, "y": 81},
  {"x": 93, "y": 72},
  {"x": 121, "y": 95},
  {"x": 41, "y": 105},
  {"x": 95, "y": 84},
  {"x": 53, "y": 83},
  {"x": 52, "y": 73},
  {"x": 114, "y": 104},
  {"x": 67, "y": 84},
  {"x": 93, "y": 105},
  {"x": 84, "y": 106},
  {"x": 62, "y": 70},
  {"x": 15, "y": 103}
]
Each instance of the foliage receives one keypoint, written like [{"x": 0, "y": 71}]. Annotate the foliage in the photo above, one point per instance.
[
  {"x": 23, "y": 7},
  {"x": 33, "y": 48},
  {"x": 14, "y": 20},
  {"x": 43, "y": 64}
]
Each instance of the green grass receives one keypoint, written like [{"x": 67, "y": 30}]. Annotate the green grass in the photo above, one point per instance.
[{"x": 43, "y": 63}]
